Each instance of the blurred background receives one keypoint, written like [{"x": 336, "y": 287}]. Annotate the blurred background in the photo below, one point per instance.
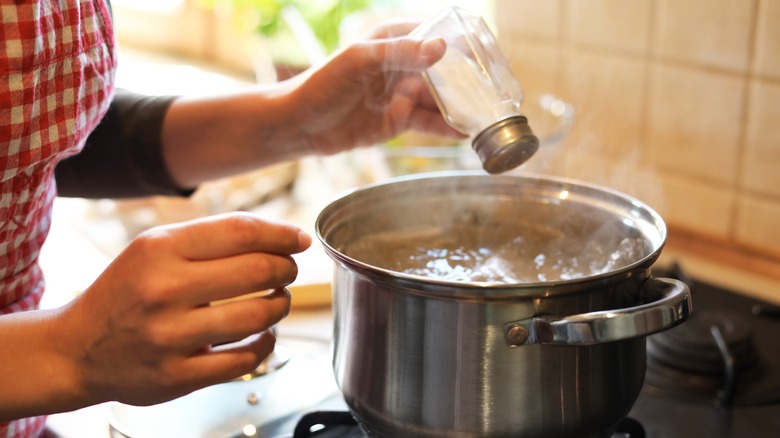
[{"x": 672, "y": 102}]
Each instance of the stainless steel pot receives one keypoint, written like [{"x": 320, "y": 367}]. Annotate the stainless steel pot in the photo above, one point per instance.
[{"x": 425, "y": 357}]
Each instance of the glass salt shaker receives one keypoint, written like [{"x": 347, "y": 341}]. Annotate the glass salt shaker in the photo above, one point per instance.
[{"x": 476, "y": 91}]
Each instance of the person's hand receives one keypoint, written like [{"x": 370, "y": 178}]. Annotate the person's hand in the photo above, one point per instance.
[
  {"x": 370, "y": 92},
  {"x": 146, "y": 331}
]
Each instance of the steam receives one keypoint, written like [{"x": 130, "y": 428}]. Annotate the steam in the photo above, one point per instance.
[{"x": 607, "y": 143}]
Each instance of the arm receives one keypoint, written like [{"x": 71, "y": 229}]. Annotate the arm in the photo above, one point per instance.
[{"x": 362, "y": 95}]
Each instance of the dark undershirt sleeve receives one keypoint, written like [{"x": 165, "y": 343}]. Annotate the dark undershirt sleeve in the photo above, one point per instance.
[{"x": 123, "y": 155}]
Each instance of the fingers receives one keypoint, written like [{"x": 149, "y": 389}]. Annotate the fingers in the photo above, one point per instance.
[
  {"x": 390, "y": 29},
  {"x": 222, "y": 279},
  {"x": 224, "y": 363},
  {"x": 431, "y": 121},
  {"x": 231, "y": 321},
  {"x": 232, "y": 234},
  {"x": 421, "y": 111},
  {"x": 397, "y": 54}
]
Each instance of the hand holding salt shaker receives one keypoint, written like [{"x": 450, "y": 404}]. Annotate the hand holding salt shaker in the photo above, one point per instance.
[{"x": 476, "y": 91}]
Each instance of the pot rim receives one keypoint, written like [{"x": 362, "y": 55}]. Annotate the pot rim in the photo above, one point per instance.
[{"x": 497, "y": 290}]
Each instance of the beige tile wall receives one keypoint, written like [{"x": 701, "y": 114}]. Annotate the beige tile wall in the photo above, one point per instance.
[{"x": 678, "y": 103}]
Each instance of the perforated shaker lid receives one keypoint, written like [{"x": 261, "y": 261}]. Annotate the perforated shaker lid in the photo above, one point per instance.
[{"x": 505, "y": 144}]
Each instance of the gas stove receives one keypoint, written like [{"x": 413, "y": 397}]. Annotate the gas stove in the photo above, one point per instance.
[
  {"x": 716, "y": 376},
  {"x": 341, "y": 424}
]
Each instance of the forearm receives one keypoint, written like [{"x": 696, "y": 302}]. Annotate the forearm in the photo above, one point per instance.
[
  {"x": 206, "y": 138},
  {"x": 37, "y": 375},
  {"x": 364, "y": 94}
]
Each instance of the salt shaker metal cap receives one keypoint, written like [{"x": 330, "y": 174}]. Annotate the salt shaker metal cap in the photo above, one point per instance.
[
  {"x": 476, "y": 91},
  {"x": 505, "y": 145}
]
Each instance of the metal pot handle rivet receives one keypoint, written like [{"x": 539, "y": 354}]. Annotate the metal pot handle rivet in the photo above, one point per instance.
[
  {"x": 516, "y": 335},
  {"x": 672, "y": 306}
]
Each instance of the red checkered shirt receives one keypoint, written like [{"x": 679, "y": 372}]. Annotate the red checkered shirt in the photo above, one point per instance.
[{"x": 57, "y": 66}]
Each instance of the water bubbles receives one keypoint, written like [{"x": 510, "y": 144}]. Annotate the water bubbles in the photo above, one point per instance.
[
  {"x": 473, "y": 254},
  {"x": 539, "y": 260}
]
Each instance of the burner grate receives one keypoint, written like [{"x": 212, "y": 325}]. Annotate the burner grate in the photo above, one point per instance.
[
  {"x": 341, "y": 424},
  {"x": 724, "y": 353}
]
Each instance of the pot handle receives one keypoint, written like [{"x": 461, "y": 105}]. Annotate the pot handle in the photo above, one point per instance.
[{"x": 668, "y": 302}]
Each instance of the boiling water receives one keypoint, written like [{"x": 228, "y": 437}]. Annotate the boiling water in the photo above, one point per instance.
[{"x": 482, "y": 254}]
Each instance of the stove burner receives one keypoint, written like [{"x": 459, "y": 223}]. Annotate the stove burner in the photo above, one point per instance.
[
  {"x": 723, "y": 353},
  {"x": 341, "y": 424},
  {"x": 692, "y": 346}
]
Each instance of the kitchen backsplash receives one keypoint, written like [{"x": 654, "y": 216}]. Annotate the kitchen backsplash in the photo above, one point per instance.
[{"x": 678, "y": 103}]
